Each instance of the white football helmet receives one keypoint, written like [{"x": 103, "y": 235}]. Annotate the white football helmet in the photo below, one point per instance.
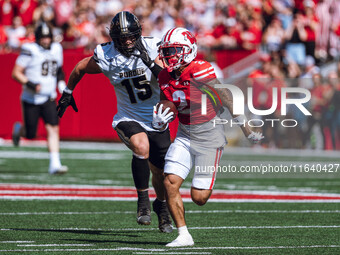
[{"x": 178, "y": 48}]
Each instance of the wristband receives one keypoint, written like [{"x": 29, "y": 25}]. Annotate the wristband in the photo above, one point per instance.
[
  {"x": 240, "y": 120},
  {"x": 61, "y": 86},
  {"x": 68, "y": 91},
  {"x": 31, "y": 85}
]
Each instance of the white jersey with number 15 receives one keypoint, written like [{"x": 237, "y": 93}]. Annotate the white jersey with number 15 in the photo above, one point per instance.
[{"x": 136, "y": 88}]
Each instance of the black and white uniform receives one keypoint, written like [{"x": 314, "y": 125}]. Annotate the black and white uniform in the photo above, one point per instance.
[
  {"x": 40, "y": 67},
  {"x": 137, "y": 91}
]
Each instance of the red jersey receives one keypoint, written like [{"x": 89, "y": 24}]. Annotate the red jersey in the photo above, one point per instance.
[{"x": 186, "y": 92}]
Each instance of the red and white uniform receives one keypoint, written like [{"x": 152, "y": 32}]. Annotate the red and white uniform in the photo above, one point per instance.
[
  {"x": 185, "y": 93},
  {"x": 198, "y": 142}
]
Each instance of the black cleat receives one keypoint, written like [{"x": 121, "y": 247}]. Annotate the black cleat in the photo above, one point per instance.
[
  {"x": 144, "y": 216},
  {"x": 143, "y": 208},
  {"x": 16, "y": 134},
  {"x": 164, "y": 220}
]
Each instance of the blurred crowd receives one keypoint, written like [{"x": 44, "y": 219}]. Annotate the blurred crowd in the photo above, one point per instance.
[
  {"x": 321, "y": 129},
  {"x": 298, "y": 36},
  {"x": 301, "y": 27}
]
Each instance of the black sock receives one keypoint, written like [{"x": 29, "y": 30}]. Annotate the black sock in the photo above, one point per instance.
[
  {"x": 143, "y": 199},
  {"x": 140, "y": 172}
]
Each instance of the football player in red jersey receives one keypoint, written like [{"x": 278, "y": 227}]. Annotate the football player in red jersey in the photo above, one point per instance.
[{"x": 199, "y": 141}]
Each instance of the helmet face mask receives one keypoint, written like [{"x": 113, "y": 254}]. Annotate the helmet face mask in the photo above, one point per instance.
[
  {"x": 178, "y": 48},
  {"x": 125, "y": 31},
  {"x": 173, "y": 55}
]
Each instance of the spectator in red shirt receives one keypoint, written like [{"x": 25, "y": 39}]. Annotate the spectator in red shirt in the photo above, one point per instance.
[
  {"x": 310, "y": 25},
  {"x": 6, "y": 12},
  {"x": 25, "y": 9}
]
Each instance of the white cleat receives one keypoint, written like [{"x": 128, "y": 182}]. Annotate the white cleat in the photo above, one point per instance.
[
  {"x": 181, "y": 240},
  {"x": 58, "y": 171}
]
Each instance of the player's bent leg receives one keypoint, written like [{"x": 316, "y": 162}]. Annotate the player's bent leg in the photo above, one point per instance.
[
  {"x": 158, "y": 181},
  {"x": 159, "y": 205},
  {"x": 139, "y": 145},
  {"x": 172, "y": 184},
  {"x": 55, "y": 166},
  {"x": 135, "y": 138},
  {"x": 16, "y": 133},
  {"x": 200, "y": 196},
  {"x": 206, "y": 167}
]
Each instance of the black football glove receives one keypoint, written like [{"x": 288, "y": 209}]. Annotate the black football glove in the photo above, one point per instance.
[
  {"x": 143, "y": 54},
  {"x": 66, "y": 100},
  {"x": 31, "y": 85}
]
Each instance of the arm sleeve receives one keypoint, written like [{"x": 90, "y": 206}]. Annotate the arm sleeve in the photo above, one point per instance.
[
  {"x": 25, "y": 56},
  {"x": 60, "y": 74},
  {"x": 203, "y": 72},
  {"x": 98, "y": 56},
  {"x": 152, "y": 45}
]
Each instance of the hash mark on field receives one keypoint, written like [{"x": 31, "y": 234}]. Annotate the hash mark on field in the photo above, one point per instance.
[
  {"x": 190, "y": 211},
  {"x": 172, "y": 253},
  {"x": 53, "y": 244},
  {"x": 17, "y": 241}
]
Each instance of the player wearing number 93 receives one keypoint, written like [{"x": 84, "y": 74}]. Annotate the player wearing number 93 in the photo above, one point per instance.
[
  {"x": 39, "y": 68},
  {"x": 130, "y": 62}
]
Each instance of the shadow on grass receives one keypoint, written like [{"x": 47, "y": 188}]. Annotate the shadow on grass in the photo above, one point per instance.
[
  {"x": 117, "y": 241},
  {"x": 94, "y": 232}
]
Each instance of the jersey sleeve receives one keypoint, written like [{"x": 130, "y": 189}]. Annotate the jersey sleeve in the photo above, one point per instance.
[
  {"x": 25, "y": 56},
  {"x": 98, "y": 56},
  {"x": 152, "y": 44},
  {"x": 163, "y": 79},
  {"x": 59, "y": 50},
  {"x": 203, "y": 72}
]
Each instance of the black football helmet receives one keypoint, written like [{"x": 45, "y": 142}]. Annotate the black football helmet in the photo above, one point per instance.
[
  {"x": 43, "y": 30},
  {"x": 125, "y": 31}
]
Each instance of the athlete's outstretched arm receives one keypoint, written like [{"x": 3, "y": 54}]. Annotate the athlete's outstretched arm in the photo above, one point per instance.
[
  {"x": 227, "y": 101},
  {"x": 87, "y": 65}
]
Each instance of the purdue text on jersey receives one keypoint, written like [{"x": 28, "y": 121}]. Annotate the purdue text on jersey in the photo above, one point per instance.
[{"x": 132, "y": 73}]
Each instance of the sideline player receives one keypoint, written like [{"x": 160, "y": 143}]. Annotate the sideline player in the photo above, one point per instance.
[
  {"x": 198, "y": 142},
  {"x": 126, "y": 62},
  {"x": 39, "y": 68}
]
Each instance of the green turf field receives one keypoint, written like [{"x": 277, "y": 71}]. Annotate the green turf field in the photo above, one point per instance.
[{"x": 109, "y": 227}]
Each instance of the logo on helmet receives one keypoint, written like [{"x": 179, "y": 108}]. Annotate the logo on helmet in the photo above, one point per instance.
[{"x": 189, "y": 36}]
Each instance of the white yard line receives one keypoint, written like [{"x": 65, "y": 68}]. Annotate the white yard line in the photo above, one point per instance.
[
  {"x": 321, "y": 201},
  {"x": 178, "y": 249},
  {"x": 228, "y": 149},
  {"x": 193, "y": 228},
  {"x": 182, "y": 190},
  {"x": 190, "y": 211},
  {"x": 45, "y": 155}
]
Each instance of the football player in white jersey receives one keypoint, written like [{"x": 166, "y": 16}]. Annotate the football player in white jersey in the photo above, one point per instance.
[
  {"x": 39, "y": 68},
  {"x": 130, "y": 63}
]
